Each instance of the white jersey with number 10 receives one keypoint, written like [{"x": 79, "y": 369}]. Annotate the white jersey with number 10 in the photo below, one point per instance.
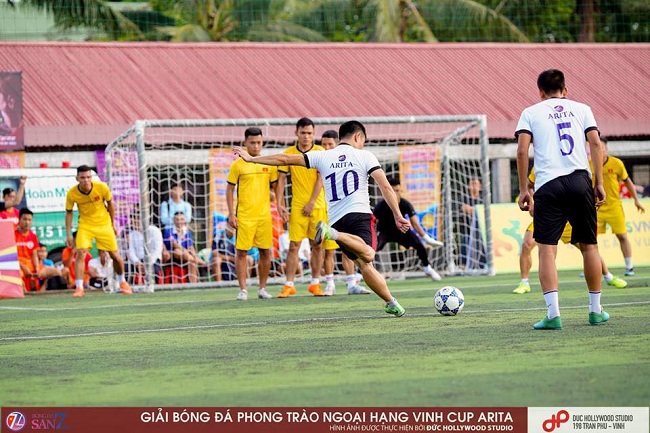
[
  {"x": 558, "y": 127},
  {"x": 345, "y": 172}
]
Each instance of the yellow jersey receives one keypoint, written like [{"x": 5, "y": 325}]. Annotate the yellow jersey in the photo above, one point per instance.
[
  {"x": 253, "y": 183},
  {"x": 91, "y": 205},
  {"x": 614, "y": 173},
  {"x": 303, "y": 180}
]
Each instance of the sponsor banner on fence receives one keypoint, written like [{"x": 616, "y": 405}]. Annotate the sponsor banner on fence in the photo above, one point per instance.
[
  {"x": 12, "y": 130},
  {"x": 267, "y": 420},
  {"x": 588, "y": 419},
  {"x": 509, "y": 226}
]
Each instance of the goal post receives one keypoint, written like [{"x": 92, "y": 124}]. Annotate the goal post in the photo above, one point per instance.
[{"x": 441, "y": 161}]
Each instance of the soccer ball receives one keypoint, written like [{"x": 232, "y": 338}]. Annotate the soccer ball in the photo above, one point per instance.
[{"x": 449, "y": 301}]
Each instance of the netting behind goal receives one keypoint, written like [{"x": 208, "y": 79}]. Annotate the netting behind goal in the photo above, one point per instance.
[{"x": 441, "y": 162}]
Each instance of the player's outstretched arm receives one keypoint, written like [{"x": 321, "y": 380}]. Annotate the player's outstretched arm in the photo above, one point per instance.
[{"x": 276, "y": 159}]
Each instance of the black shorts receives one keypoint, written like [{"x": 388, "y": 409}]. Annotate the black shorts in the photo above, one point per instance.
[
  {"x": 358, "y": 224},
  {"x": 566, "y": 198}
]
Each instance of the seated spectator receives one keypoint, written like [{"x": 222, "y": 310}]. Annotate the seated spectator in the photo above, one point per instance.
[
  {"x": 304, "y": 253},
  {"x": 49, "y": 277},
  {"x": 169, "y": 208},
  {"x": 100, "y": 271},
  {"x": 68, "y": 257},
  {"x": 180, "y": 243},
  {"x": 27, "y": 247},
  {"x": 222, "y": 263},
  {"x": 136, "y": 248}
]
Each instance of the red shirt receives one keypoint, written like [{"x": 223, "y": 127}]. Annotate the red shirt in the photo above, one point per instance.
[
  {"x": 10, "y": 215},
  {"x": 26, "y": 244}
]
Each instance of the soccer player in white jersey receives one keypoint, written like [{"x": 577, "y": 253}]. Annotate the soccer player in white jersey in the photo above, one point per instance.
[
  {"x": 345, "y": 170},
  {"x": 557, "y": 127}
]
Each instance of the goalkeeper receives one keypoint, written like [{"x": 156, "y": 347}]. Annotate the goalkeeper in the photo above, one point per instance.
[{"x": 388, "y": 232}]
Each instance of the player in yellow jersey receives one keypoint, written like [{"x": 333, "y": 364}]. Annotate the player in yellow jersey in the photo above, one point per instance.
[
  {"x": 611, "y": 212},
  {"x": 529, "y": 244},
  {"x": 329, "y": 140},
  {"x": 252, "y": 216},
  {"x": 96, "y": 221},
  {"x": 308, "y": 207}
]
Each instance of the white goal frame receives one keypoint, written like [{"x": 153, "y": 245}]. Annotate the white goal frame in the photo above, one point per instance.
[{"x": 451, "y": 151}]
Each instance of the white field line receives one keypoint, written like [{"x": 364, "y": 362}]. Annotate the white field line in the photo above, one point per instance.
[
  {"x": 285, "y": 322},
  {"x": 81, "y": 307}
]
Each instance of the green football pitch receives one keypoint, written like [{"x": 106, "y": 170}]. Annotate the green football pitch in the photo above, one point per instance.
[{"x": 204, "y": 348}]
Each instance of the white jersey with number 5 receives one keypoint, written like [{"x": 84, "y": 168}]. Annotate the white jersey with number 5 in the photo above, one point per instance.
[
  {"x": 558, "y": 127},
  {"x": 345, "y": 172}
]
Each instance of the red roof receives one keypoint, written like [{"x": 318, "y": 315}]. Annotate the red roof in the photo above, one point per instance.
[{"x": 88, "y": 93}]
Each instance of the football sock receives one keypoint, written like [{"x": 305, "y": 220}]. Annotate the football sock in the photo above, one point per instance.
[
  {"x": 628, "y": 263},
  {"x": 594, "y": 302},
  {"x": 525, "y": 280},
  {"x": 79, "y": 284},
  {"x": 314, "y": 281},
  {"x": 552, "y": 303},
  {"x": 350, "y": 281},
  {"x": 120, "y": 278},
  {"x": 608, "y": 277},
  {"x": 289, "y": 283}
]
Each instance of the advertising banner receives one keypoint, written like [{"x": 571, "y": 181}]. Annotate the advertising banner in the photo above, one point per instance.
[
  {"x": 420, "y": 178},
  {"x": 327, "y": 419},
  {"x": 220, "y": 160},
  {"x": 11, "y": 283},
  {"x": 509, "y": 226},
  {"x": 12, "y": 159},
  {"x": 11, "y": 111}
]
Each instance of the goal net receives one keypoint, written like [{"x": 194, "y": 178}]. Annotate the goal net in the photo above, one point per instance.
[{"x": 441, "y": 162}]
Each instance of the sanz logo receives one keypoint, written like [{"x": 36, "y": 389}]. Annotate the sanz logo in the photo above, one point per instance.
[
  {"x": 555, "y": 421},
  {"x": 558, "y": 108},
  {"x": 49, "y": 421},
  {"x": 15, "y": 421},
  {"x": 341, "y": 158}
]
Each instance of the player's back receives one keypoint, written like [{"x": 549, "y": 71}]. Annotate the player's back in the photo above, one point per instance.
[
  {"x": 345, "y": 171},
  {"x": 558, "y": 127}
]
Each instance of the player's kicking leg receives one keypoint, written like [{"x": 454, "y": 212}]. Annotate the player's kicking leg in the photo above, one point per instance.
[{"x": 365, "y": 254}]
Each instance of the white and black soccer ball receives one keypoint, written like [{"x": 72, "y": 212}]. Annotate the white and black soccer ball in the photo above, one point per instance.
[{"x": 449, "y": 301}]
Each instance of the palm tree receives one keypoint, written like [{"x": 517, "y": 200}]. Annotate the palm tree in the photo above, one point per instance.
[
  {"x": 297, "y": 20},
  {"x": 95, "y": 14},
  {"x": 406, "y": 21}
]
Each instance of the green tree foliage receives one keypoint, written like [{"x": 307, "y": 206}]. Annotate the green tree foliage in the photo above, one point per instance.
[{"x": 361, "y": 20}]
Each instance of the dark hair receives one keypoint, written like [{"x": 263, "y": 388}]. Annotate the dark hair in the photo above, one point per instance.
[
  {"x": 83, "y": 168},
  {"x": 24, "y": 211},
  {"x": 304, "y": 121},
  {"x": 393, "y": 180},
  {"x": 551, "y": 81},
  {"x": 350, "y": 128},
  {"x": 252, "y": 131},
  {"x": 330, "y": 133},
  {"x": 7, "y": 191}
]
